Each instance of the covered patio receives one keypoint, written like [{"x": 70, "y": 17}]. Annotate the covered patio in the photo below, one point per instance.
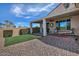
[
  {"x": 42, "y": 23},
  {"x": 48, "y": 25}
]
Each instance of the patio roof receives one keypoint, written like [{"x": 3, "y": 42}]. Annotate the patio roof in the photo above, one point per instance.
[
  {"x": 39, "y": 20},
  {"x": 72, "y": 12},
  {"x": 36, "y": 21}
]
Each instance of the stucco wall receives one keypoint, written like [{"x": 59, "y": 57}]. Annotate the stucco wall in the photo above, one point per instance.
[
  {"x": 75, "y": 23},
  {"x": 16, "y": 32},
  {"x": 77, "y": 5},
  {"x": 1, "y": 39},
  {"x": 60, "y": 10}
]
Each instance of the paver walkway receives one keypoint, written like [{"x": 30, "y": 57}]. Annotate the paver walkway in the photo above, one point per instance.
[
  {"x": 36, "y": 48},
  {"x": 64, "y": 42}
]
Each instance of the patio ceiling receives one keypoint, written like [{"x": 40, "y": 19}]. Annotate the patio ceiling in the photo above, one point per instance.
[
  {"x": 59, "y": 15},
  {"x": 68, "y": 13},
  {"x": 36, "y": 21}
]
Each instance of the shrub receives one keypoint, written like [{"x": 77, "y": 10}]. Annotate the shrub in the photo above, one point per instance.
[
  {"x": 23, "y": 31},
  {"x": 36, "y": 30},
  {"x": 7, "y": 33}
]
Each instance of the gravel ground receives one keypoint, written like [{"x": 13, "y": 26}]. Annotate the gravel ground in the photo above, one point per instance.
[{"x": 37, "y": 48}]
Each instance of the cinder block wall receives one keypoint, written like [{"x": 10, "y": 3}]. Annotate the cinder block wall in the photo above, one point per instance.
[{"x": 1, "y": 39}]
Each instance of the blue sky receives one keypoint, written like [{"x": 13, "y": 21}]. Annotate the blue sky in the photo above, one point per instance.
[{"x": 24, "y": 13}]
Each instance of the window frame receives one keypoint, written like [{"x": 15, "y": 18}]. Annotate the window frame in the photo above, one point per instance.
[{"x": 58, "y": 25}]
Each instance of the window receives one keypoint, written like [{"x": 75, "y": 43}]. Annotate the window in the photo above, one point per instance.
[
  {"x": 68, "y": 24},
  {"x": 66, "y": 5},
  {"x": 58, "y": 25},
  {"x": 63, "y": 25}
]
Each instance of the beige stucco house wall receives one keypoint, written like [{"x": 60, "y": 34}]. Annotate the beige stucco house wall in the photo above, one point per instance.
[
  {"x": 60, "y": 9},
  {"x": 75, "y": 23}
]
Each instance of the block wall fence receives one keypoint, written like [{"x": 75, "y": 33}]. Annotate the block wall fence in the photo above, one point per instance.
[{"x": 15, "y": 32}]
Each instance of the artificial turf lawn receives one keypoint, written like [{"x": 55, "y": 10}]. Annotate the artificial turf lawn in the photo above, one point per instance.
[{"x": 18, "y": 39}]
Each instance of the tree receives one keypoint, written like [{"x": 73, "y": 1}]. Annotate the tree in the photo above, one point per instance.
[
  {"x": 1, "y": 25},
  {"x": 8, "y": 24}
]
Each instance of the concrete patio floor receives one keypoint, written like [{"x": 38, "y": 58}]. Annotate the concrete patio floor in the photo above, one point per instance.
[{"x": 46, "y": 46}]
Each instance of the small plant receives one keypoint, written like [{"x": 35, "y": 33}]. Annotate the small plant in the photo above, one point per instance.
[
  {"x": 23, "y": 31},
  {"x": 7, "y": 33}
]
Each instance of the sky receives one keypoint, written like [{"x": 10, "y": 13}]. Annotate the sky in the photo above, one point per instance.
[{"x": 23, "y": 13}]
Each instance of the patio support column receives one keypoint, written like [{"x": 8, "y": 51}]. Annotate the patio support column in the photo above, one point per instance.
[
  {"x": 44, "y": 28},
  {"x": 31, "y": 28},
  {"x": 40, "y": 27}
]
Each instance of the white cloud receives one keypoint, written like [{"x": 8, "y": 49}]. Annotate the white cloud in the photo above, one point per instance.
[
  {"x": 46, "y": 7},
  {"x": 27, "y": 17},
  {"x": 33, "y": 9},
  {"x": 39, "y": 9},
  {"x": 17, "y": 10},
  {"x": 21, "y": 10},
  {"x": 20, "y": 23}
]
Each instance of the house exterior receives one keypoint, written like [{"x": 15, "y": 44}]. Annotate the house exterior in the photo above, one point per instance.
[{"x": 64, "y": 17}]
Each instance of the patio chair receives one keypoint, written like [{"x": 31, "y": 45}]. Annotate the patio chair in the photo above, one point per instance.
[
  {"x": 73, "y": 31},
  {"x": 74, "y": 35},
  {"x": 64, "y": 32}
]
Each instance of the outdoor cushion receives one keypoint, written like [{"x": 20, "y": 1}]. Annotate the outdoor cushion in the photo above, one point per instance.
[{"x": 64, "y": 31}]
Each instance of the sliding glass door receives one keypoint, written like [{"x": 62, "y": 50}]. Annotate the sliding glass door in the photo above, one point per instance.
[{"x": 64, "y": 24}]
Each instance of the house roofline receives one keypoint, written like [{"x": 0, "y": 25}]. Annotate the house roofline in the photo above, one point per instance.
[
  {"x": 54, "y": 8},
  {"x": 48, "y": 13}
]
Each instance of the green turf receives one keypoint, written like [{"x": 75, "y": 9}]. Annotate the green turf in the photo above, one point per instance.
[{"x": 18, "y": 39}]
